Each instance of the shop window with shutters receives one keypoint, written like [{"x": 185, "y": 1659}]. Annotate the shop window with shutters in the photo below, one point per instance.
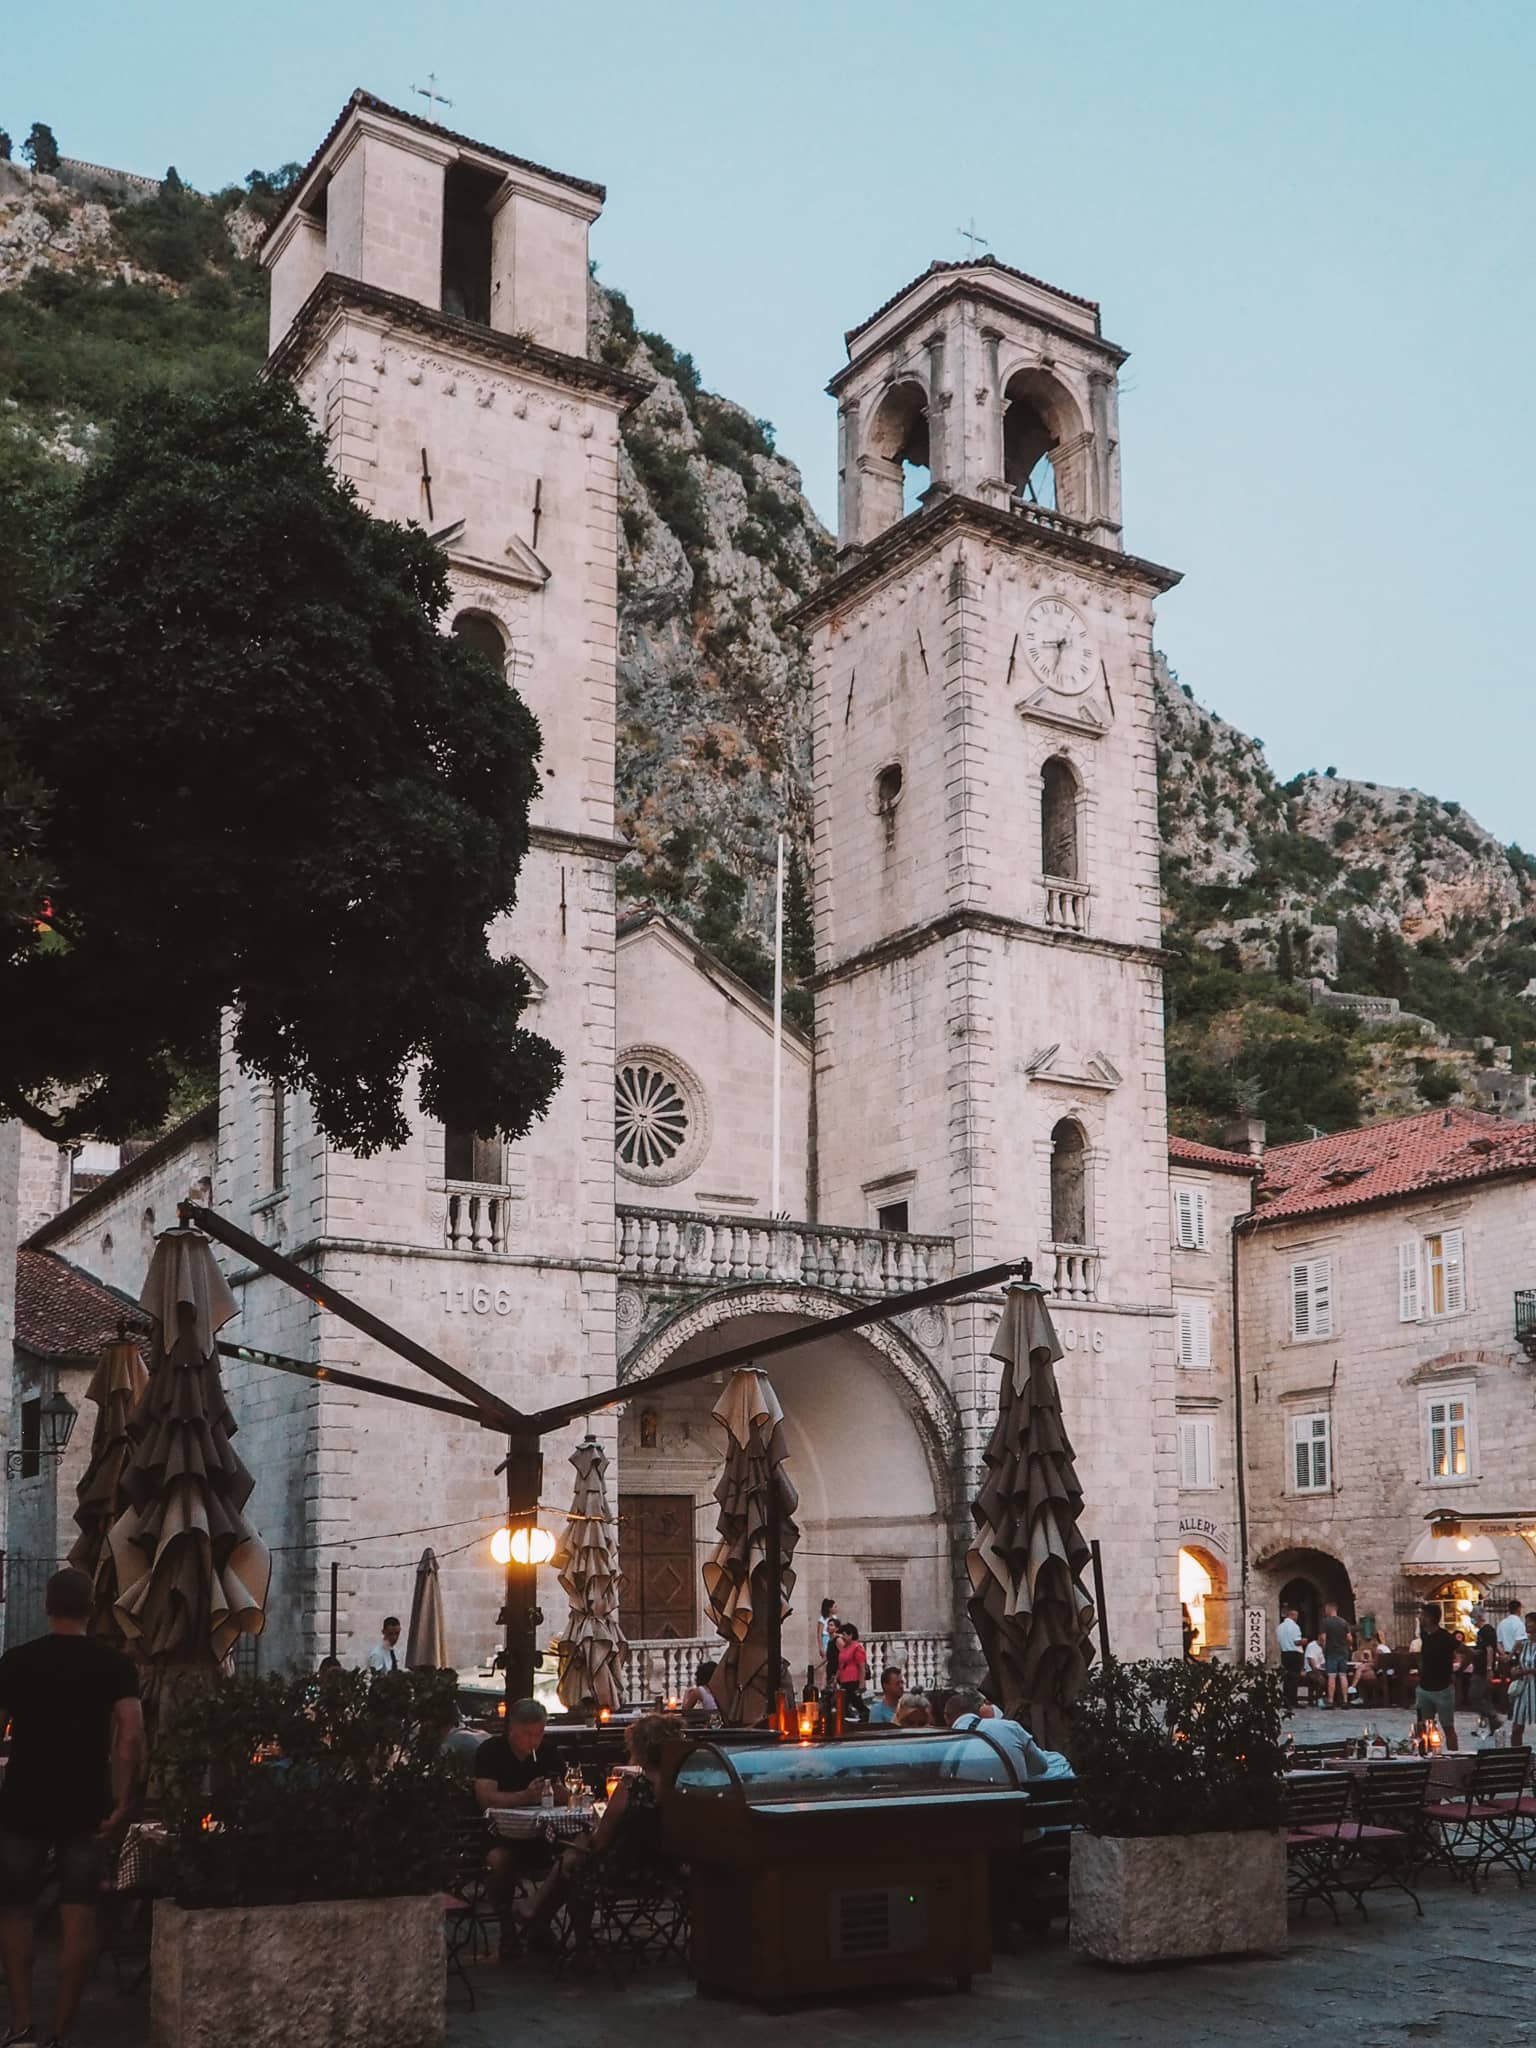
[
  {"x": 885, "y": 1607},
  {"x": 1311, "y": 1453},
  {"x": 1192, "y": 1324},
  {"x": 1449, "y": 1435},
  {"x": 1311, "y": 1295},
  {"x": 1432, "y": 1276},
  {"x": 1197, "y": 1454}
]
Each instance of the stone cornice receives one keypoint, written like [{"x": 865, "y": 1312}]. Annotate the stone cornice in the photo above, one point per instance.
[
  {"x": 967, "y": 288},
  {"x": 923, "y": 532},
  {"x": 591, "y": 845},
  {"x": 336, "y": 294},
  {"x": 902, "y": 945}
]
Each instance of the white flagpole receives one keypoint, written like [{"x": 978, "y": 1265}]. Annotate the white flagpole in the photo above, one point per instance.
[{"x": 778, "y": 1026}]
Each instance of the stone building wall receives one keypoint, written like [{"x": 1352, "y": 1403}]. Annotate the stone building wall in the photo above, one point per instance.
[{"x": 1372, "y": 1376}]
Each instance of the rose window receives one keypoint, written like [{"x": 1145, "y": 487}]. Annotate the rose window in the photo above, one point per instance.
[{"x": 651, "y": 1117}]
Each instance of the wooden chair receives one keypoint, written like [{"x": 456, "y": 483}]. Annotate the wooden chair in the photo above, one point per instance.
[
  {"x": 1391, "y": 1840},
  {"x": 1309, "y": 1755},
  {"x": 1316, "y": 1808}
]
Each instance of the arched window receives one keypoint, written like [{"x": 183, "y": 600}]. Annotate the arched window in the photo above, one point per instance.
[
  {"x": 899, "y": 437},
  {"x": 481, "y": 632},
  {"x": 1069, "y": 1183},
  {"x": 1038, "y": 417},
  {"x": 1058, "y": 821}
]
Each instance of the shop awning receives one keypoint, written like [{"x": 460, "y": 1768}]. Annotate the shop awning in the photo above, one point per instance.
[{"x": 1467, "y": 1556}]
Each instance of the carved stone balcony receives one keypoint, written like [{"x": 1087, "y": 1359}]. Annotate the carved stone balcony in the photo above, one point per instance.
[
  {"x": 1067, "y": 904},
  {"x": 683, "y": 1248},
  {"x": 662, "y": 1669},
  {"x": 475, "y": 1220},
  {"x": 1076, "y": 1274}
]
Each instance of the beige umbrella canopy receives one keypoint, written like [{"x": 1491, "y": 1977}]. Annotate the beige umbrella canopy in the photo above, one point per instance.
[
  {"x": 593, "y": 1644},
  {"x": 192, "y": 1573},
  {"x": 116, "y": 1386},
  {"x": 736, "y": 1576},
  {"x": 426, "y": 1640},
  {"x": 1028, "y": 1604}
]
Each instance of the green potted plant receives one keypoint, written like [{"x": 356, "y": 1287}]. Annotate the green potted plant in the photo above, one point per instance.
[
  {"x": 311, "y": 1824},
  {"x": 1182, "y": 1852}
]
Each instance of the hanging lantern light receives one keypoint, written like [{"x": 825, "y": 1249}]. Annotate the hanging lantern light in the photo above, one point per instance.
[{"x": 522, "y": 1546}]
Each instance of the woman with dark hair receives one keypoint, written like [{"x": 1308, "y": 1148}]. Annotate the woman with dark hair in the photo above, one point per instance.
[
  {"x": 629, "y": 1830},
  {"x": 698, "y": 1699},
  {"x": 852, "y": 1670}
]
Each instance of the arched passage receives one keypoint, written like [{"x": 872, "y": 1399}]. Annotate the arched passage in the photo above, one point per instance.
[
  {"x": 1205, "y": 1598},
  {"x": 1306, "y": 1579},
  {"x": 873, "y": 1439}
]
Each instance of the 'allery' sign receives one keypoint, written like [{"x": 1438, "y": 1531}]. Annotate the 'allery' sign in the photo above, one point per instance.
[{"x": 1203, "y": 1530}]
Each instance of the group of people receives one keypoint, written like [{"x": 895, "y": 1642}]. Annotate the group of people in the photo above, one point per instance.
[{"x": 1339, "y": 1667}]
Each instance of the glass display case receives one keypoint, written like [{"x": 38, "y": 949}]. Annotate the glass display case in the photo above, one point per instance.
[{"x": 796, "y": 1777}]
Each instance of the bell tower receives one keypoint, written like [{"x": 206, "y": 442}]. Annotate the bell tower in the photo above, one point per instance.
[{"x": 989, "y": 1004}]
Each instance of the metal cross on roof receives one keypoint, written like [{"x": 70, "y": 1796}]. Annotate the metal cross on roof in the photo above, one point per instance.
[
  {"x": 969, "y": 234},
  {"x": 431, "y": 95}
]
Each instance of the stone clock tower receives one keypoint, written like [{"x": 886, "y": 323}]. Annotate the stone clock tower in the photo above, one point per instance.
[{"x": 989, "y": 1002}]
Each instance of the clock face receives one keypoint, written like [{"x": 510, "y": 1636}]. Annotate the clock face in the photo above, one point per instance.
[{"x": 1057, "y": 646}]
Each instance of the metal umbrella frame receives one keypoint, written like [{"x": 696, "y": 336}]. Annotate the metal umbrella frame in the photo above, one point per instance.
[
  {"x": 592, "y": 1648},
  {"x": 1029, "y": 1605},
  {"x": 758, "y": 1535}
]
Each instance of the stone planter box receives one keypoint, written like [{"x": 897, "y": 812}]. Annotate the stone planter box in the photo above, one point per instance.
[
  {"x": 331, "y": 1973},
  {"x": 1171, "y": 1898}
]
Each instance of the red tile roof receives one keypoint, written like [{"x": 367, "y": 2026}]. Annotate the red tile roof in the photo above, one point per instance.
[
  {"x": 1410, "y": 1155},
  {"x": 1185, "y": 1152},
  {"x": 65, "y": 1314}
]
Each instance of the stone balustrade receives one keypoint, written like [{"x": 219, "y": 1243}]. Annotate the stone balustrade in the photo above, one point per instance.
[
  {"x": 683, "y": 1247},
  {"x": 476, "y": 1221},
  {"x": 1073, "y": 1274},
  {"x": 664, "y": 1669},
  {"x": 1067, "y": 905}
]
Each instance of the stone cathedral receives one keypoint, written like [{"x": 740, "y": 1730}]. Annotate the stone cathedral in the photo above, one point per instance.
[{"x": 987, "y": 1073}]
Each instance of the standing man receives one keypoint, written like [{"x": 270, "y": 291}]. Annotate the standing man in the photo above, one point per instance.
[
  {"x": 1288, "y": 1640},
  {"x": 1334, "y": 1632},
  {"x": 77, "y": 1746},
  {"x": 385, "y": 1654},
  {"x": 893, "y": 1683},
  {"x": 1435, "y": 1699},
  {"x": 1485, "y": 1649},
  {"x": 1512, "y": 1630}
]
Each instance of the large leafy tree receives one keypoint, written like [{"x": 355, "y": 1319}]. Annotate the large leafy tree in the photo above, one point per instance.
[{"x": 255, "y": 776}]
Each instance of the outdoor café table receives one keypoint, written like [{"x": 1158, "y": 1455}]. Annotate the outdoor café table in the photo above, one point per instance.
[
  {"x": 1449, "y": 1773},
  {"x": 551, "y": 1824}
]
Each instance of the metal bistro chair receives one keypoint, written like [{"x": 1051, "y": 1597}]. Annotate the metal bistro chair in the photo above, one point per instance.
[
  {"x": 1391, "y": 1840},
  {"x": 472, "y": 1916},
  {"x": 630, "y": 1902},
  {"x": 1490, "y": 1823},
  {"x": 1309, "y": 1755},
  {"x": 1316, "y": 1808}
]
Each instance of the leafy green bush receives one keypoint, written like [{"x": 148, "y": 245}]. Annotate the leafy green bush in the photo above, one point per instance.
[
  {"x": 672, "y": 488},
  {"x": 1178, "y": 1748},
  {"x": 352, "y": 1797}
]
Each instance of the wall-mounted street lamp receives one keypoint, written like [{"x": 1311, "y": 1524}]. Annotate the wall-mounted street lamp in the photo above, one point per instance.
[
  {"x": 522, "y": 1546},
  {"x": 57, "y": 1416}
]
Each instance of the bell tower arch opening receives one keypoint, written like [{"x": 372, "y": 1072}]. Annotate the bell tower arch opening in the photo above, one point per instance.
[
  {"x": 1040, "y": 423},
  {"x": 899, "y": 469}
]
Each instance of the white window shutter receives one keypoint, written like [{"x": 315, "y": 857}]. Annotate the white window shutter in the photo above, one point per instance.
[
  {"x": 1199, "y": 1223},
  {"x": 1322, "y": 1297},
  {"x": 1184, "y": 1218},
  {"x": 1200, "y": 1334},
  {"x": 1301, "y": 1299},
  {"x": 1452, "y": 1251},
  {"x": 1205, "y": 1453},
  {"x": 1301, "y": 1456},
  {"x": 1186, "y": 1453},
  {"x": 1186, "y": 1317},
  {"x": 1408, "y": 1286}
]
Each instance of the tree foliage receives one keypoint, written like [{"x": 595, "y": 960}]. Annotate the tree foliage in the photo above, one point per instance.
[
  {"x": 40, "y": 149},
  {"x": 271, "y": 784}
]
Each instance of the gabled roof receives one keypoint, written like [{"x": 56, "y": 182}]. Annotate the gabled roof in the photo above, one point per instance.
[
  {"x": 202, "y": 1123},
  {"x": 378, "y": 106},
  {"x": 64, "y": 1314},
  {"x": 1392, "y": 1161},
  {"x": 1210, "y": 1158},
  {"x": 941, "y": 269},
  {"x": 646, "y": 916}
]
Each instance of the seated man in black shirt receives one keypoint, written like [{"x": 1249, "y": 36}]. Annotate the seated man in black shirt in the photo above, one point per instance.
[
  {"x": 77, "y": 1742},
  {"x": 1435, "y": 1699},
  {"x": 508, "y": 1773}
]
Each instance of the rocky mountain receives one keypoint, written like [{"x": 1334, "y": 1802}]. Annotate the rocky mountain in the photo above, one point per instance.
[{"x": 1336, "y": 949}]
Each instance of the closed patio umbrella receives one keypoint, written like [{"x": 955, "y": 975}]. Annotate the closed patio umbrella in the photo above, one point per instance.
[
  {"x": 736, "y": 1576},
  {"x": 192, "y": 1573},
  {"x": 592, "y": 1647},
  {"x": 1028, "y": 1604},
  {"x": 426, "y": 1640},
  {"x": 116, "y": 1387}
]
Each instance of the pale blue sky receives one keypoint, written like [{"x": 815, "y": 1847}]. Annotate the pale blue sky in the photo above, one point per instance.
[{"x": 1309, "y": 223}]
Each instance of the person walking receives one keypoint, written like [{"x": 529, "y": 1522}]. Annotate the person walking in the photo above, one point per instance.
[
  {"x": 1522, "y": 1685},
  {"x": 1289, "y": 1641},
  {"x": 852, "y": 1670},
  {"x": 1334, "y": 1633},
  {"x": 1435, "y": 1699},
  {"x": 77, "y": 1748},
  {"x": 826, "y": 1629},
  {"x": 1485, "y": 1650},
  {"x": 385, "y": 1654}
]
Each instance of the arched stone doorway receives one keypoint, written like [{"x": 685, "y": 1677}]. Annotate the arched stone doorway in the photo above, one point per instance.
[
  {"x": 1204, "y": 1595},
  {"x": 874, "y": 1440},
  {"x": 1306, "y": 1580}
]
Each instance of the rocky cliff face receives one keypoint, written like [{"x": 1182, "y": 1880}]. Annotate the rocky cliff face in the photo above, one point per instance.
[{"x": 1276, "y": 894}]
